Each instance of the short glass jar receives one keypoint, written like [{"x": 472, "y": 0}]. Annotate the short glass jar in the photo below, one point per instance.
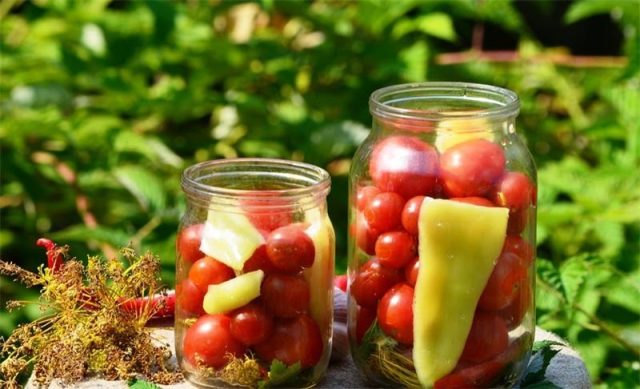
[
  {"x": 254, "y": 273},
  {"x": 441, "y": 254}
]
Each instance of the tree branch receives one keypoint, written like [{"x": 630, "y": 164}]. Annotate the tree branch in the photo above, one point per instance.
[{"x": 573, "y": 61}]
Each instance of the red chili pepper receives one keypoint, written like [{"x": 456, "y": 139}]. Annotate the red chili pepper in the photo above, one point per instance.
[
  {"x": 54, "y": 258},
  {"x": 162, "y": 305}
]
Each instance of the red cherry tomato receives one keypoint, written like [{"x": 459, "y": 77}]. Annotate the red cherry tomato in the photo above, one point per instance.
[
  {"x": 488, "y": 338},
  {"x": 266, "y": 210},
  {"x": 189, "y": 297},
  {"x": 364, "y": 320},
  {"x": 341, "y": 282},
  {"x": 395, "y": 313},
  {"x": 384, "y": 211},
  {"x": 405, "y": 165},
  {"x": 515, "y": 191},
  {"x": 259, "y": 260},
  {"x": 209, "y": 342},
  {"x": 519, "y": 247},
  {"x": 470, "y": 377},
  {"x": 395, "y": 249},
  {"x": 483, "y": 375},
  {"x": 517, "y": 221},
  {"x": 208, "y": 271},
  {"x": 472, "y": 168},
  {"x": 285, "y": 295},
  {"x": 290, "y": 249},
  {"x": 188, "y": 243},
  {"x": 474, "y": 200},
  {"x": 364, "y": 195},
  {"x": 411, "y": 271},
  {"x": 251, "y": 324},
  {"x": 372, "y": 281},
  {"x": 365, "y": 235},
  {"x": 411, "y": 213},
  {"x": 507, "y": 278},
  {"x": 293, "y": 340},
  {"x": 515, "y": 312}
]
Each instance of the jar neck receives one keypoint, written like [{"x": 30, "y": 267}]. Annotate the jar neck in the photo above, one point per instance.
[
  {"x": 269, "y": 185},
  {"x": 444, "y": 106}
]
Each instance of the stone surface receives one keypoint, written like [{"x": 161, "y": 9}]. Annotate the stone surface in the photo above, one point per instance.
[{"x": 566, "y": 369}]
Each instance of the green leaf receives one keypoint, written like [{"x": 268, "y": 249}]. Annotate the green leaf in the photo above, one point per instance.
[
  {"x": 436, "y": 24},
  {"x": 141, "y": 384},
  {"x": 150, "y": 147},
  {"x": 502, "y": 13},
  {"x": 611, "y": 234},
  {"x": 83, "y": 234},
  {"x": 163, "y": 18},
  {"x": 573, "y": 273},
  {"x": 416, "y": 59},
  {"x": 548, "y": 273},
  {"x": 261, "y": 148},
  {"x": 163, "y": 153},
  {"x": 587, "y": 8},
  {"x": 280, "y": 374},
  {"x": 372, "y": 339},
  {"x": 145, "y": 186},
  {"x": 543, "y": 352},
  {"x": 626, "y": 99},
  {"x": 378, "y": 14},
  {"x": 129, "y": 141},
  {"x": 625, "y": 292},
  {"x": 334, "y": 140}
]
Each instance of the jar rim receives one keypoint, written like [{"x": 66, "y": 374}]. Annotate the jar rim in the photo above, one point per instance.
[
  {"x": 495, "y": 102},
  {"x": 312, "y": 181}
]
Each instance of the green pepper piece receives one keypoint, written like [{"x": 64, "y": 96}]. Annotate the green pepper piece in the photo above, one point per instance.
[{"x": 459, "y": 244}]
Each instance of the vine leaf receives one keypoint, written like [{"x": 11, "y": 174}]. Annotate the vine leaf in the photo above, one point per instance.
[
  {"x": 573, "y": 273},
  {"x": 280, "y": 374},
  {"x": 544, "y": 351},
  {"x": 548, "y": 273}
]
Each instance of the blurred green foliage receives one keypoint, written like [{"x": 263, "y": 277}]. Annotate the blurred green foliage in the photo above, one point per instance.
[{"x": 104, "y": 103}]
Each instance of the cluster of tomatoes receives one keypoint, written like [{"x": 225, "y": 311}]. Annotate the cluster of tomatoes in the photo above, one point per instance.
[
  {"x": 404, "y": 170},
  {"x": 276, "y": 325}
]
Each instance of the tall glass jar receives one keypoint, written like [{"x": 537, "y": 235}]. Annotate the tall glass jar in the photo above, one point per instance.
[
  {"x": 441, "y": 252},
  {"x": 254, "y": 274}
]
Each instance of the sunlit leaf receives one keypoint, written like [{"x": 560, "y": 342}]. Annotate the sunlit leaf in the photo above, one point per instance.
[
  {"x": 436, "y": 24},
  {"x": 573, "y": 273},
  {"x": 586, "y": 8},
  {"x": 144, "y": 185},
  {"x": 416, "y": 60}
]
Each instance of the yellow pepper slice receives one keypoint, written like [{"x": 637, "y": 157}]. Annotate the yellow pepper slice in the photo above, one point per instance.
[{"x": 459, "y": 244}]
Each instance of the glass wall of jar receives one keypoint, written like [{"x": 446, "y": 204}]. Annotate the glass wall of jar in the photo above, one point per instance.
[
  {"x": 254, "y": 273},
  {"x": 441, "y": 254}
]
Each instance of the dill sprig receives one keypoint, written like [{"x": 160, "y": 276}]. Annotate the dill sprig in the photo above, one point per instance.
[{"x": 85, "y": 332}]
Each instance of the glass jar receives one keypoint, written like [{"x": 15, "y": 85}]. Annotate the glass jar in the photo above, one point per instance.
[
  {"x": 441, "y": 254},
  {"x": 254, "y": 273}
]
